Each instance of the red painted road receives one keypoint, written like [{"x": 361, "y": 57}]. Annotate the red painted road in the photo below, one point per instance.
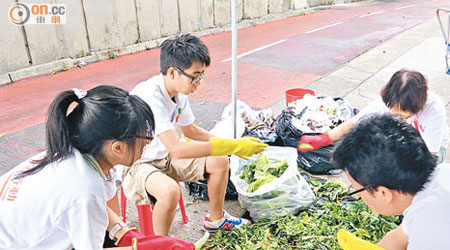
[{"x": 310, "y": 50}]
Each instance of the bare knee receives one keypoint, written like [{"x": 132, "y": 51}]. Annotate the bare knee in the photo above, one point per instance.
[
  {"x": 217, "y": 165},
  {"x": 165, "y": 191}
]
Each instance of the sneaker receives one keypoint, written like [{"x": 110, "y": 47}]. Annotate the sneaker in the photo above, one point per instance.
[{"x": 228, "y": 222}]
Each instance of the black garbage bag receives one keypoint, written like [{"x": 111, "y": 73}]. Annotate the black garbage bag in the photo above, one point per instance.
[
  {"x": 317, "y": 161},
  {"x": 199, "y": 190},
  {"x": 288, "y": 133},
  {"x": 271, "y": 138}
]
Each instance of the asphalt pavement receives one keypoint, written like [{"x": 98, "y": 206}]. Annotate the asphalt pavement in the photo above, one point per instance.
[{"x": 357, "y": 77}]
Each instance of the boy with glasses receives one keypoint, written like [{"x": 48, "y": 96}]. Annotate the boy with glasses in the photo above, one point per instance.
[
  {"x": 167, "y": 159},
  {"x": 389, "y": 165}
]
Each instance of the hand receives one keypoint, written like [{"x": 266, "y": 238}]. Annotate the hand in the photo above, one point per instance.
[
  {"x": 127, "y": 237},
  {"x": 243, "y": 147},
  {"x": 348, "y": 241},
  {"x": 313, "y": 142},
  {"x": 159, "y": 242}
]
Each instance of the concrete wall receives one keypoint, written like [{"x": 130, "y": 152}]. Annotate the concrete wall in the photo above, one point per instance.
[
  {"x": 313, "y": 3},
  {"x": 299, "y": 4},
  {"x": 206, "y": 13},
  {"x": 13, "y": 52},
  {"x": 278, "y": 6},
  {"x": 148, "y": 19},
  {"x": 256, "y": 8},
  {"x": 102, "y": 25},
  {"x": 189, "y": 15},
  {"x": 222, "y": 11},
  {"x": 54, "y": 42},
  {"x": 110, "y": 23},
  {"x": 169, "y": 17}
]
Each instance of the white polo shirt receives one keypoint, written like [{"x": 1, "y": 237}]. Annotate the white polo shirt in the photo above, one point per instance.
[
  {"x": 63, "y": 206},
  {"x": 168, "y": 113},
  {"x": 427, "y": 219},
  {"x": 431, "y": 121}
]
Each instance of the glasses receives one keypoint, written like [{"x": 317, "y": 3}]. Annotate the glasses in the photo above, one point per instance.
[
  {"x": 194, "y": 79},
  {"x": 351, "y": 192}
]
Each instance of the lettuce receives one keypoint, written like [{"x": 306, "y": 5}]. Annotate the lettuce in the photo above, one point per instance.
[{"x": 261, "y": 171}]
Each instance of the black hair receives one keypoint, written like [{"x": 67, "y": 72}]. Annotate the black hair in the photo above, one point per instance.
[
  {"x": 386, "y": 151},
  {"x": 105, "y": 113},
  {"x": 181, "y": 51},
  {"x": 406, "y": 88}
]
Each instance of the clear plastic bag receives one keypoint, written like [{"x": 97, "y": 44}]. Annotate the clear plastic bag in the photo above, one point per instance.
[
  {"x": 255, "y": 123},
  {"x": 288, "y": 194}
]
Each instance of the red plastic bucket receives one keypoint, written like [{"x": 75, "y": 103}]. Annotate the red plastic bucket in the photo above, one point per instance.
[{"x": 295, "y": 94}]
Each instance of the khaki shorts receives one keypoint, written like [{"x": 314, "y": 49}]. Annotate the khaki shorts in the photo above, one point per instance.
[{"x": 183, "y": 170}]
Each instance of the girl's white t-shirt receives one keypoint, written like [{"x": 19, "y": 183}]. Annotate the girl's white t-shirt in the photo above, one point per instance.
[
  {"x": 63, "y": 206},
  {"x": 431, "y": 121}
]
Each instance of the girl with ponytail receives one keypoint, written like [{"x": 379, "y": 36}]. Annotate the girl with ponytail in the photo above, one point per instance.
[{"x": 58, "y": 199}]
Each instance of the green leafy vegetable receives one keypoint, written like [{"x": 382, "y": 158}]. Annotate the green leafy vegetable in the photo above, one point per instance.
[
  {"x": 315, "y": 228},
  {"x": 252, "y": 187},
  {"x": 262, "y": 171}
]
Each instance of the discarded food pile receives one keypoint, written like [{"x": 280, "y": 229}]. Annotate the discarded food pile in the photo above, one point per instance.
[
  {"x": 319, "y": 114},
  {"x": 315, "y": 228},
  {"x": 259, "y": 124},
  {"x": 312, "y": 115}
]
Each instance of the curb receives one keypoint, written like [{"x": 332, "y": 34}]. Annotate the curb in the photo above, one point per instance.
[
  {"x": 64, "y": 64},
  {"x": 4, "y": 79}
]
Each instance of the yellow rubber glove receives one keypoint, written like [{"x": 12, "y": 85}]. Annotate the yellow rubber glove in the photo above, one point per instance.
[
  {"x": 243, "y": 147},
  {"x": 348, "y": 241}
]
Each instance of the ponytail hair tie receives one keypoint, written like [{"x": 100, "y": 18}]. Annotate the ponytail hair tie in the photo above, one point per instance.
[{"x": 79, "y": 93}]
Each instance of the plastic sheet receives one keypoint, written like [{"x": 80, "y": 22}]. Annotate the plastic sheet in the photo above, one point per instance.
[{"x": 288, "y": 194}]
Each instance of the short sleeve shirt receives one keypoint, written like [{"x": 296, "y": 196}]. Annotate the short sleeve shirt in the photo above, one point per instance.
[
  {"x": 431, "y": 122},
  {"x": 63, "y": 206},
  {"x": 427, "y": 219},
  {"x": 168, "y": 113}
]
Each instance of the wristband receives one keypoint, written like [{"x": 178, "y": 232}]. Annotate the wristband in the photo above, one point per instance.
[{"x": 116, "y": 228}]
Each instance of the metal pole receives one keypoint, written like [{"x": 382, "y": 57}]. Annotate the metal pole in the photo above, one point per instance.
[{"x": 233, "y": 63}]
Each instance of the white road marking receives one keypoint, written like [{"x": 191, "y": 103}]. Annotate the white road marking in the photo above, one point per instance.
[
  {"x": 322, "y": 28},
  {"x": 371, "y": 14},
  {"x": 404, "y": 7},
  {"x": 255, "y": 50},
  {"x": 431, "y": 1}
]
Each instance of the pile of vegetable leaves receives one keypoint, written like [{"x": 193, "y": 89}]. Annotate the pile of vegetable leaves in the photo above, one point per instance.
[
  {"x": 261, "y": 171},
  {"x": 315, "y": 228}
]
